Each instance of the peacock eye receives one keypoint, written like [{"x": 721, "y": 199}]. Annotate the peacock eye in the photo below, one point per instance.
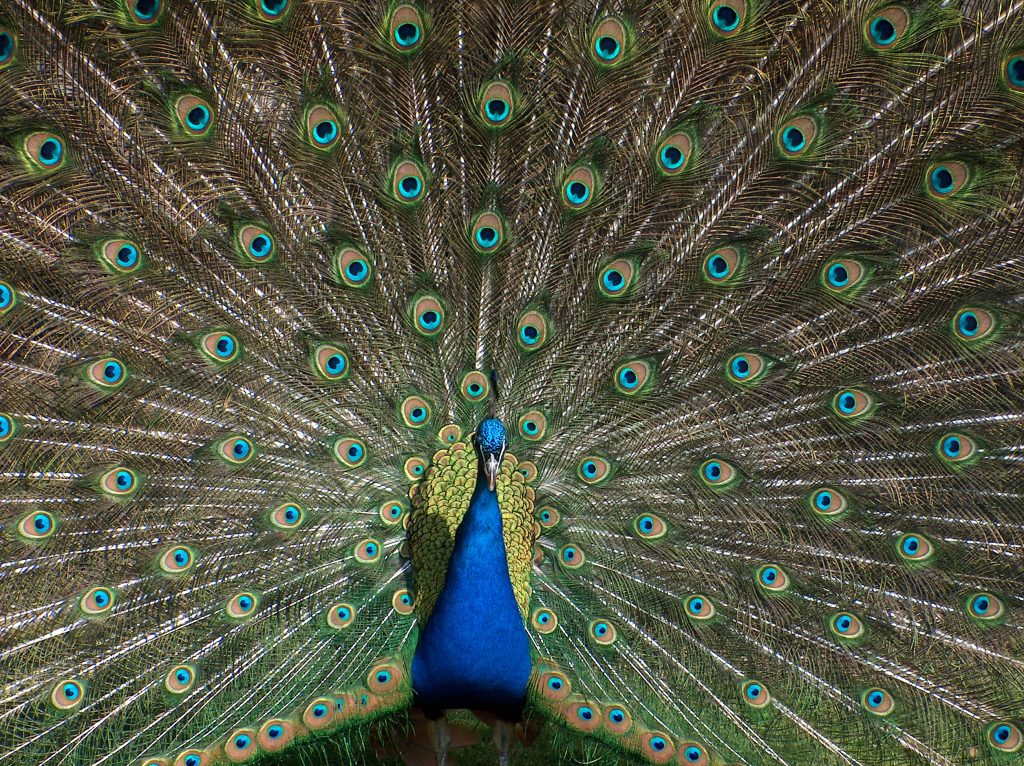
[
  {"x": 349, "y": 451},
  {"x": 487, "y": 232},
  {"x": 727, "y": 17},
  {"x": 755, "y": 694},
  {"x": 957, "y": 448},
  {"x": 594, "y": 469},
  {"x": 340, "y": 616},
  {"x": 271, "y": 10},
  {"x": 408, "y": 182},
  {"x": 8, "y": 297},
  {"x": 884, "y": 29},
  {"x": 67, "y": 694},
  {"x": 722, "y": 265},
  {"x": 497, "y": 104},
  {"x": 673, "y": 153},
  {"x": 37, "y": 525},
  {"x": 255, "y": 243},
  {"x": 853, "y": 404},
  {"x": 745, "y": 368},
  {"x": 322, "y": 127},
  {"x": 579, "y": 187},
  {"x": 649, "y": 527},
  {"x": 330, "y": 362},
  {"x": 1013, "y": 71},
  {"x": 241, "y": 606},
  {"x": 915, "y": 548},
  {"x": 700, "y": 607},
  {"x": 973, "y": 324},
  {"x": 8, "y": 47},
  {"x": 718, "y": 474},
  {"x": 428, "y": 315},
  {"x": 415, "y": 412},
  {"x": 608, "y": 42},
  {"x": 533, "y": 425},
  {"x": 107, "y": 374},
  {"x": 945, "y": 179},
  {"x": 772, "y": 578},
  {"x": 406, "y": 29},
  {"x": 368, "y": 551},
  {"x": 475, "y": 386},
  {"x": 828, "y": 502},
  {"x": 195, "y": 115},
  {"x": 177, "y": 560},
  {"x": 1005, "y": 737},
  {"x": 877, "y": 702},
  {"x": 844, "y": 276},
  {"x": 352, "y": 267},
  {"x": 986, "y": 607},
  {"x": 531, "y": 330},
  {"x": 797, "y": 136},
  {"x": 144, "y": 12},
  {"x": 845, "y": 625}
]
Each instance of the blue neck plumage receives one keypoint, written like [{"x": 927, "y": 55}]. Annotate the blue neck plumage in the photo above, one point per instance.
[{"x": 474, "y": 651}]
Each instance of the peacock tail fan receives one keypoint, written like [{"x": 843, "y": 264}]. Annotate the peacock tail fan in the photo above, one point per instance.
[{"x": 746, "y": 483}]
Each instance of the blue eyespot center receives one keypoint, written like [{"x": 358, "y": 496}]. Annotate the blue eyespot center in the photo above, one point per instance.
[
  {"x": 529, "y": 334},
  {"x": 911, "y": 545},
  {"x": 951, "y": 446},
  {"x": 407, "y": 34},
  {"x": 260, "y": 245},
  {"x": 607, "y": 48},
  {"x": 225, "y": 346},
  {"x": 50, "y": 151},
  {"x": 590, "y": 468},
  {"x": 718, "y": 266},
  {"x": 291, "y": 514},
  {"x": 754, "y": 691},
  {"x": 275, "y": 732},
  {"x": 658, "y": 743},
  {"x": 942, "y": 180},
  {"x": 192, "y": 760},
  {"x": 101, "y": 597},
  {"x": 6, "y": 46},
  {"x": 127, "y": 256},
  {"x": 692, "y": 754},
  {"x": 838, "y": 275},
  {"x": 183, "y": 676},
  {"x": 647, "y": 524},
  {"x": 124, "y": 479},
  {"x": 1015, "y": 71},
  {"x": 198, "y": 117},
  {"x": 883, "y": 31},
  {"x": 967, "y": 323},
  {"x": 585, "y": 713},
  {"x": 617, "y": 716},
  {"x": 725, "y": 18},
  {"x": 181, "y": 557},
  {"x": 240, "y": 448},
  {"x": 41, "y": 522},
  {"x": 5, "y": 296},
  {"x": 628, "y": 378},
  {"x": 409, "y": 187},
  {"x": 713, "y": 471},
  {"x": 146, "y": 9},
  {"x": 242, "y": 741},
  {"x": 497, "y": 109},
  {"x": 71, "y": 691},
  {"x": 613, "y": 280},
  {"x": 112, "y": 372},
  {"x": 981, "y": 604},
  {"x": 696, "y": 605},
  {"x": 793, "y": 139},
  {"x": 1001, "y": 733},
  {"x": 486, "y": 236},
  {"x": 555, "y": 683},
  {"x": 843, "y": 623},
  {"x": 847, "y": 402},
  {"x": 245, "y": 603},
  {"x": 319, "y": 710},
  {"x": 325, "y": 131},
  {"x": 577, "y": 192},
  {"x": 5, "y": 426},
  {"x": 740, "y": 367},
  {"x": 875, "y": 698},
  {"x": 672, "y": 157},
  {"x": 356, "y": 269},
  {"x": 769, "y": 576},
  {"x": 371, "y": 549}
]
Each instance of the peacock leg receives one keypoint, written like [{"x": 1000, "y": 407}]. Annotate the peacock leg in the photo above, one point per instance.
[
  {"x": 503, "y": 740},
  {"x": 440, "y": 738}
]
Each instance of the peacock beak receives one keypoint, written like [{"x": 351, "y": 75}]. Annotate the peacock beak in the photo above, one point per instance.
[{"x": 491, "y": 466}]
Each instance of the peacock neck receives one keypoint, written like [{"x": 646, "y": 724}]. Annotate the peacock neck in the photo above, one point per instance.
[{"x": 474, "y": 651}]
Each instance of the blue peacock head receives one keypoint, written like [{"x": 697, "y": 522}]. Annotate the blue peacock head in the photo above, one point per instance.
[{"x": 491, "y": 442}]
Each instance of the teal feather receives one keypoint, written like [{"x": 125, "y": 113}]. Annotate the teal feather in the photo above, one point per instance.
[{"x": 748, "y": 276}]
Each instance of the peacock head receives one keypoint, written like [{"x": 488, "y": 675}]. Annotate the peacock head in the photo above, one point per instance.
[{"x": 491, "y": 442}]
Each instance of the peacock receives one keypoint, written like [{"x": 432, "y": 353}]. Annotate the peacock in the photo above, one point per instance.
[{"x": 440, "y": 382}]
